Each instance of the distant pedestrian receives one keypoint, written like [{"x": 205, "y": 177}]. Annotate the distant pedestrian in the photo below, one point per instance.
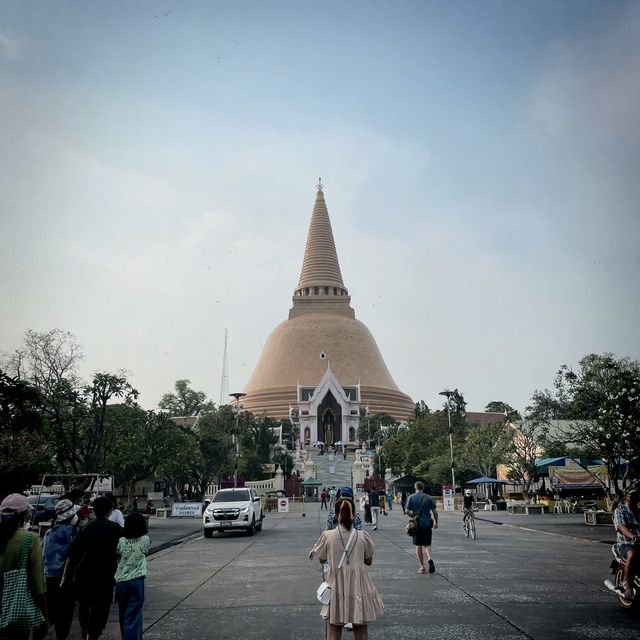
[
  {"x": 374, "y": 503},
  {"x": 130, "y": 575},
  {"x": 332, "y": 497},
  {"x": 367, "y": 509},
  {"x": 423, "y": 508},
  {"x": 390, "y": 499},
  {"x": 116, "y": 515},
  {"x": 56, "y": 543},
  {"x": 344, "y": 493},
  {"x": 134, "y": 504},
  {"x": 323, "y": 499},
  {"x": 403, "y": 500},
  {"x": 91, "y": 566},
  {"x": 21, "y": 549}
]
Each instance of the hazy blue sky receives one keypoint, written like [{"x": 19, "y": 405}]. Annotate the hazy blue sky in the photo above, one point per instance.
[{"x": 481, "y": 163}]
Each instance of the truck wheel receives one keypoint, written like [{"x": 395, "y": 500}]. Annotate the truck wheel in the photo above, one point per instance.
[
  {"x": 208, "y": 533},
  {"x": 252, "y": 528},
  {"x": 259, "y": 525}
]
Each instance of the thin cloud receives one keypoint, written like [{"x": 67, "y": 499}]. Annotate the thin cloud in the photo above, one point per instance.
[{"x": 10, "y": 48}]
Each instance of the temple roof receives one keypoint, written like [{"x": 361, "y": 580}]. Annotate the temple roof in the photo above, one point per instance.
[{"x": 320, "y": 267}]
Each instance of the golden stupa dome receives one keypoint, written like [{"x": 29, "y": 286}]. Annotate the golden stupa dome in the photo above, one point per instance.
[{"x": 322, "y": 327}]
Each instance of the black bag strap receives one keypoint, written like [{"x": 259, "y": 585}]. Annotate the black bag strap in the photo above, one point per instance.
[{"x": 421, "y": 505}]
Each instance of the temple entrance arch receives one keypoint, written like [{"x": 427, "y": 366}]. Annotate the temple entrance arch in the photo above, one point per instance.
[
  {"x": 352, "y": 434},
  {"x": 307, "y": 435},
  {"x": 329, "y": 420}
]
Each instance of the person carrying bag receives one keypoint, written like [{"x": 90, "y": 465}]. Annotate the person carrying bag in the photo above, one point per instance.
[
  {"x": 353, "y": 596},
  {"x": 23, "y": 588}
]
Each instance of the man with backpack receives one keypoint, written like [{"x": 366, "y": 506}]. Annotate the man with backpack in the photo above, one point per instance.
[{"x": 422, "y": 507}]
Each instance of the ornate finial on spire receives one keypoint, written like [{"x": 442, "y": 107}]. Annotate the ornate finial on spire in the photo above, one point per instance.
[{"x": 320, "y": 186}]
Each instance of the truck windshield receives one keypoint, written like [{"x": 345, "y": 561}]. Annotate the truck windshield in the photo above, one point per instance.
[{"x": 231, "y": 496}]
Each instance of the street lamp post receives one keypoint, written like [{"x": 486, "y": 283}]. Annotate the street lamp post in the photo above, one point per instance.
[
  {"x": 236, "y": 435},
  {"x": 448, "y": 394}
]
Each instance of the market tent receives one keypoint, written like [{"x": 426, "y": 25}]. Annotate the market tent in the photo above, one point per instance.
[
  {"x": 311, "y": 482},
  {"x": 485, "y": 480}
]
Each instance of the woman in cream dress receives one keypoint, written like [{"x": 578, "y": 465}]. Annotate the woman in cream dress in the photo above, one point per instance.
[{"x": 353, "y": 595}]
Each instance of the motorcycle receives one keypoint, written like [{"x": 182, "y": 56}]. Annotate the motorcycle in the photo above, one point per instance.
[
  {"x": 617, "y": 585},
  {"x": 577, "y": 507}
]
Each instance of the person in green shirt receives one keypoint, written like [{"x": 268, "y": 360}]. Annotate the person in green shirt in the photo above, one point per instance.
[
  {"x": 13, "y": 514},
  {"x": 130, "y": 574}
]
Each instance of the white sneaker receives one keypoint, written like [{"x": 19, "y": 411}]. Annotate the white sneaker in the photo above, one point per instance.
[
  {"x": 374, "y": 528},
  {"x": 349, "y": 626}
]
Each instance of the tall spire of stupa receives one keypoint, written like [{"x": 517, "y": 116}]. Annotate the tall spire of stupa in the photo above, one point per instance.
[
  {"x": 320, "y": 273},
  {"x": 322, "y": 325}
]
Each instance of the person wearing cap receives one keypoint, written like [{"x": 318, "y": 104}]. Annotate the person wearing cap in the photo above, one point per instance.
[
  {"x": 54, "y": 553},
  {"x": 14, "y": 511},
  {"x": 332, "y": 519}
]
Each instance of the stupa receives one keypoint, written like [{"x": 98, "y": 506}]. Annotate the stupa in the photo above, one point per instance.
[{"x": 321, "y": 366}]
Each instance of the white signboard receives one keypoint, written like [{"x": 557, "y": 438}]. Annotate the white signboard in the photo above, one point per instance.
[
  {"x": 447, "y": 499},
  {"x": 332, "y": 470},
  {"x": 103, "y": 484},
  {"x": 283, "y": 505},
  {"x": 186, "y": 510},
  {"x": 155, "y": 495}
]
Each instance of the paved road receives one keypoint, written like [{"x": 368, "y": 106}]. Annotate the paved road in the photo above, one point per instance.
[{"x": 518, "y": 580}]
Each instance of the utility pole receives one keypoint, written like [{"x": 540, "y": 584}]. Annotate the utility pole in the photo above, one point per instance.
[
  {"x": 236, "y": 435},
  {"x": 224, "y": 384}
]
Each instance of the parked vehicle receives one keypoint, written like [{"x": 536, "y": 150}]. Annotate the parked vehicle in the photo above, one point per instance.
[
  {"x": 616, "y": 586},
  {"x": 44, "y": 507},
  {"x": 232, "y": 510}
]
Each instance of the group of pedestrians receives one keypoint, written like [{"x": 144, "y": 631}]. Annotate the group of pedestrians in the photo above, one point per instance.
[
  {"x": 75, "y": 563},
  {"x": 345, "y": 551}
]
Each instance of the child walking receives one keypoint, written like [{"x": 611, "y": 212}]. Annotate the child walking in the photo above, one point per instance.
[{"x": 130, "y": 575}]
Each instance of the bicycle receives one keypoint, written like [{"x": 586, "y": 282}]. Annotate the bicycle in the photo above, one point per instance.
[{"x": 470, "y": 525}]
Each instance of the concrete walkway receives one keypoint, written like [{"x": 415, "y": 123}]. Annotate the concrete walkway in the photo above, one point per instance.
[{"x": 513, "y": 582}]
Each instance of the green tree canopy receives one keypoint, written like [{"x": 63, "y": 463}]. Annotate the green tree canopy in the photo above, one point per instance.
[
  {"x": 185, "y": 402},
  {"x": 600, "y": 402}
]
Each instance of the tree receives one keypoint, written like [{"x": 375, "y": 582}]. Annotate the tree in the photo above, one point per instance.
[
  {"x": 423, "y": 447},
  {"x": 258, "y": 437},
  {"x": 498, "y": 406},
  {"x": 24, "y": 449},
  {"x": 145, "y": 440},
  {"x": 103, "y": 389},
  {"x": 600, "y": 401},
  {"x": 487, "y": 445},
  {"x": 370, "y": 428},
  {"x": 214, "y": 431},
  {"x": 526, "y": 437},
  {"x": 48, "y": 361},
  {"x": 185, "y": 402}
]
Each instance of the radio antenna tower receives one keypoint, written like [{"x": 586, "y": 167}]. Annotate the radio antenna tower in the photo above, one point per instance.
[{"x": 224, "y": 385}]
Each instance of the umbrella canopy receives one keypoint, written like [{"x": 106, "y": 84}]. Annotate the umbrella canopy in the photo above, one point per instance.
[
  {"x": 310, "y": 482},
  {"x": 339, "y": 442},
  {"x": 318, "y": 442},
  {"x": 485, "y": 480}
]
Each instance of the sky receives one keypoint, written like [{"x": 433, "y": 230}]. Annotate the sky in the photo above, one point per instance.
[{"x": 481, "y": 163}]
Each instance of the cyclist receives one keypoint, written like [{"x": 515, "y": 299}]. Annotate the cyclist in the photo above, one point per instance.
[{"x": 468, "y": 504}]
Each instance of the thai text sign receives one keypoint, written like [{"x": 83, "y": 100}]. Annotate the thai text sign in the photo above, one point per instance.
[{"x": 186, "y": 510}]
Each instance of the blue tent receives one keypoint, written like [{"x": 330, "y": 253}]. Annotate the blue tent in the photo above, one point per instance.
[{"x": 485, "y": 480}]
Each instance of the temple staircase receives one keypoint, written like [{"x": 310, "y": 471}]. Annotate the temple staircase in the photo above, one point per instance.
[{"x": 332, "y": 470}]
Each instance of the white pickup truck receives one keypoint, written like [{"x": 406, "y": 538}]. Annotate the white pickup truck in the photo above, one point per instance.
[{"x": 233, "y": 509}]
